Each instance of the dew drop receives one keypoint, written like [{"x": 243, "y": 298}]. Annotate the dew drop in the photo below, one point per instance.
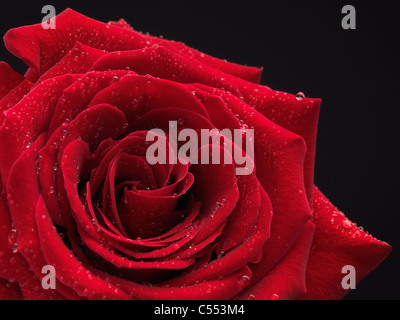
[
  {"x": 346, "y": 224},
  {"x": 300, "y": 96},
  {"x": 12, "y": 236},
  {"x": 274, "y": 296},
  {"x": 244, "y": 280},
  {"x": 14, "y": 247}
]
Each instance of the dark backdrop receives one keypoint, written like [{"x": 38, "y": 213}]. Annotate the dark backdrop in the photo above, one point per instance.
[{"x": 302, "y": 47}]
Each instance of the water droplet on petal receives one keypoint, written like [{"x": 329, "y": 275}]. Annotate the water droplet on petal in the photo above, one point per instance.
[
  {"x": 347, "y": 224},
  {"x": 244, "y": 280},
  {"x": 274, "y": 296},
  {"x": 300, "y": 96},
  {"x": 12, "y": 236},
  {"x": 14, "y": 247}
]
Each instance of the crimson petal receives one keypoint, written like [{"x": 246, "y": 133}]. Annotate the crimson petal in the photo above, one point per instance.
[{"x": 338, "y": 243}]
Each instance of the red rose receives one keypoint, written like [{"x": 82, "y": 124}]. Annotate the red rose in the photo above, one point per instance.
[{"x": 79, "y": 195}]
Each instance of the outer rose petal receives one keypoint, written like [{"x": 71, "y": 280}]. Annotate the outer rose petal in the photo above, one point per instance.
[
  {"x": 29, "y": 118},
  {"x": 9, "y": 79},
  {"x": 338, "y": 242},
  {"x": 70, "y": 271},
  {"x": 23, "y": 191},
  {"x": 297, "y": 116},
  {"x": 33, "y": 44},
  {"x": 13, "y": 266},
  {"x": 78, "y": 60},
  {"x": 251, "y": 74},
  {"x": 244, "y": 72},
  {"x": 13, "y": 97}
]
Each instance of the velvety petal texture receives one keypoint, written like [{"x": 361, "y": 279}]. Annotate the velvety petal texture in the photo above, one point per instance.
[{"x": 80, "y": 192}]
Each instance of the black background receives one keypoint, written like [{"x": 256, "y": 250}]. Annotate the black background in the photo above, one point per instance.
[{"x": 302, "y": 47}]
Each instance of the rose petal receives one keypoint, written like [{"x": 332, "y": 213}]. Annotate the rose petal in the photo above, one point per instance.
[
  {"x": 76, "y": 97},
  {"x": 78, "y": 60},
  {"x": 13, "y": 97},
  {"x": 299, "y": 116},
  {"x": 23, "y": 192},
  {"x": 33, "y": 44},
  {"x": 29, "y": 118},
  {"x": 278, "y": 153},
  {"x": 13, "y": 265},
  {"x": 286, "y": 281},
  {"x": 220, "y": 289},
  {"x": 251, "y": 74},
  {"x": 69, "y": 270},
  {"x": 9, "y": 79},
  {"x": 235, "y": 258},
  {"x": 248, "y": 73},
  {"x": 337, "y": 243},
  {"x": 136, "y": 95},
  {"x": 164, "y": 63}
]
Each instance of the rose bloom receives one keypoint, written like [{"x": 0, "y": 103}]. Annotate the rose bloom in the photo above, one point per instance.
[{"x": 77, "y": 192}]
